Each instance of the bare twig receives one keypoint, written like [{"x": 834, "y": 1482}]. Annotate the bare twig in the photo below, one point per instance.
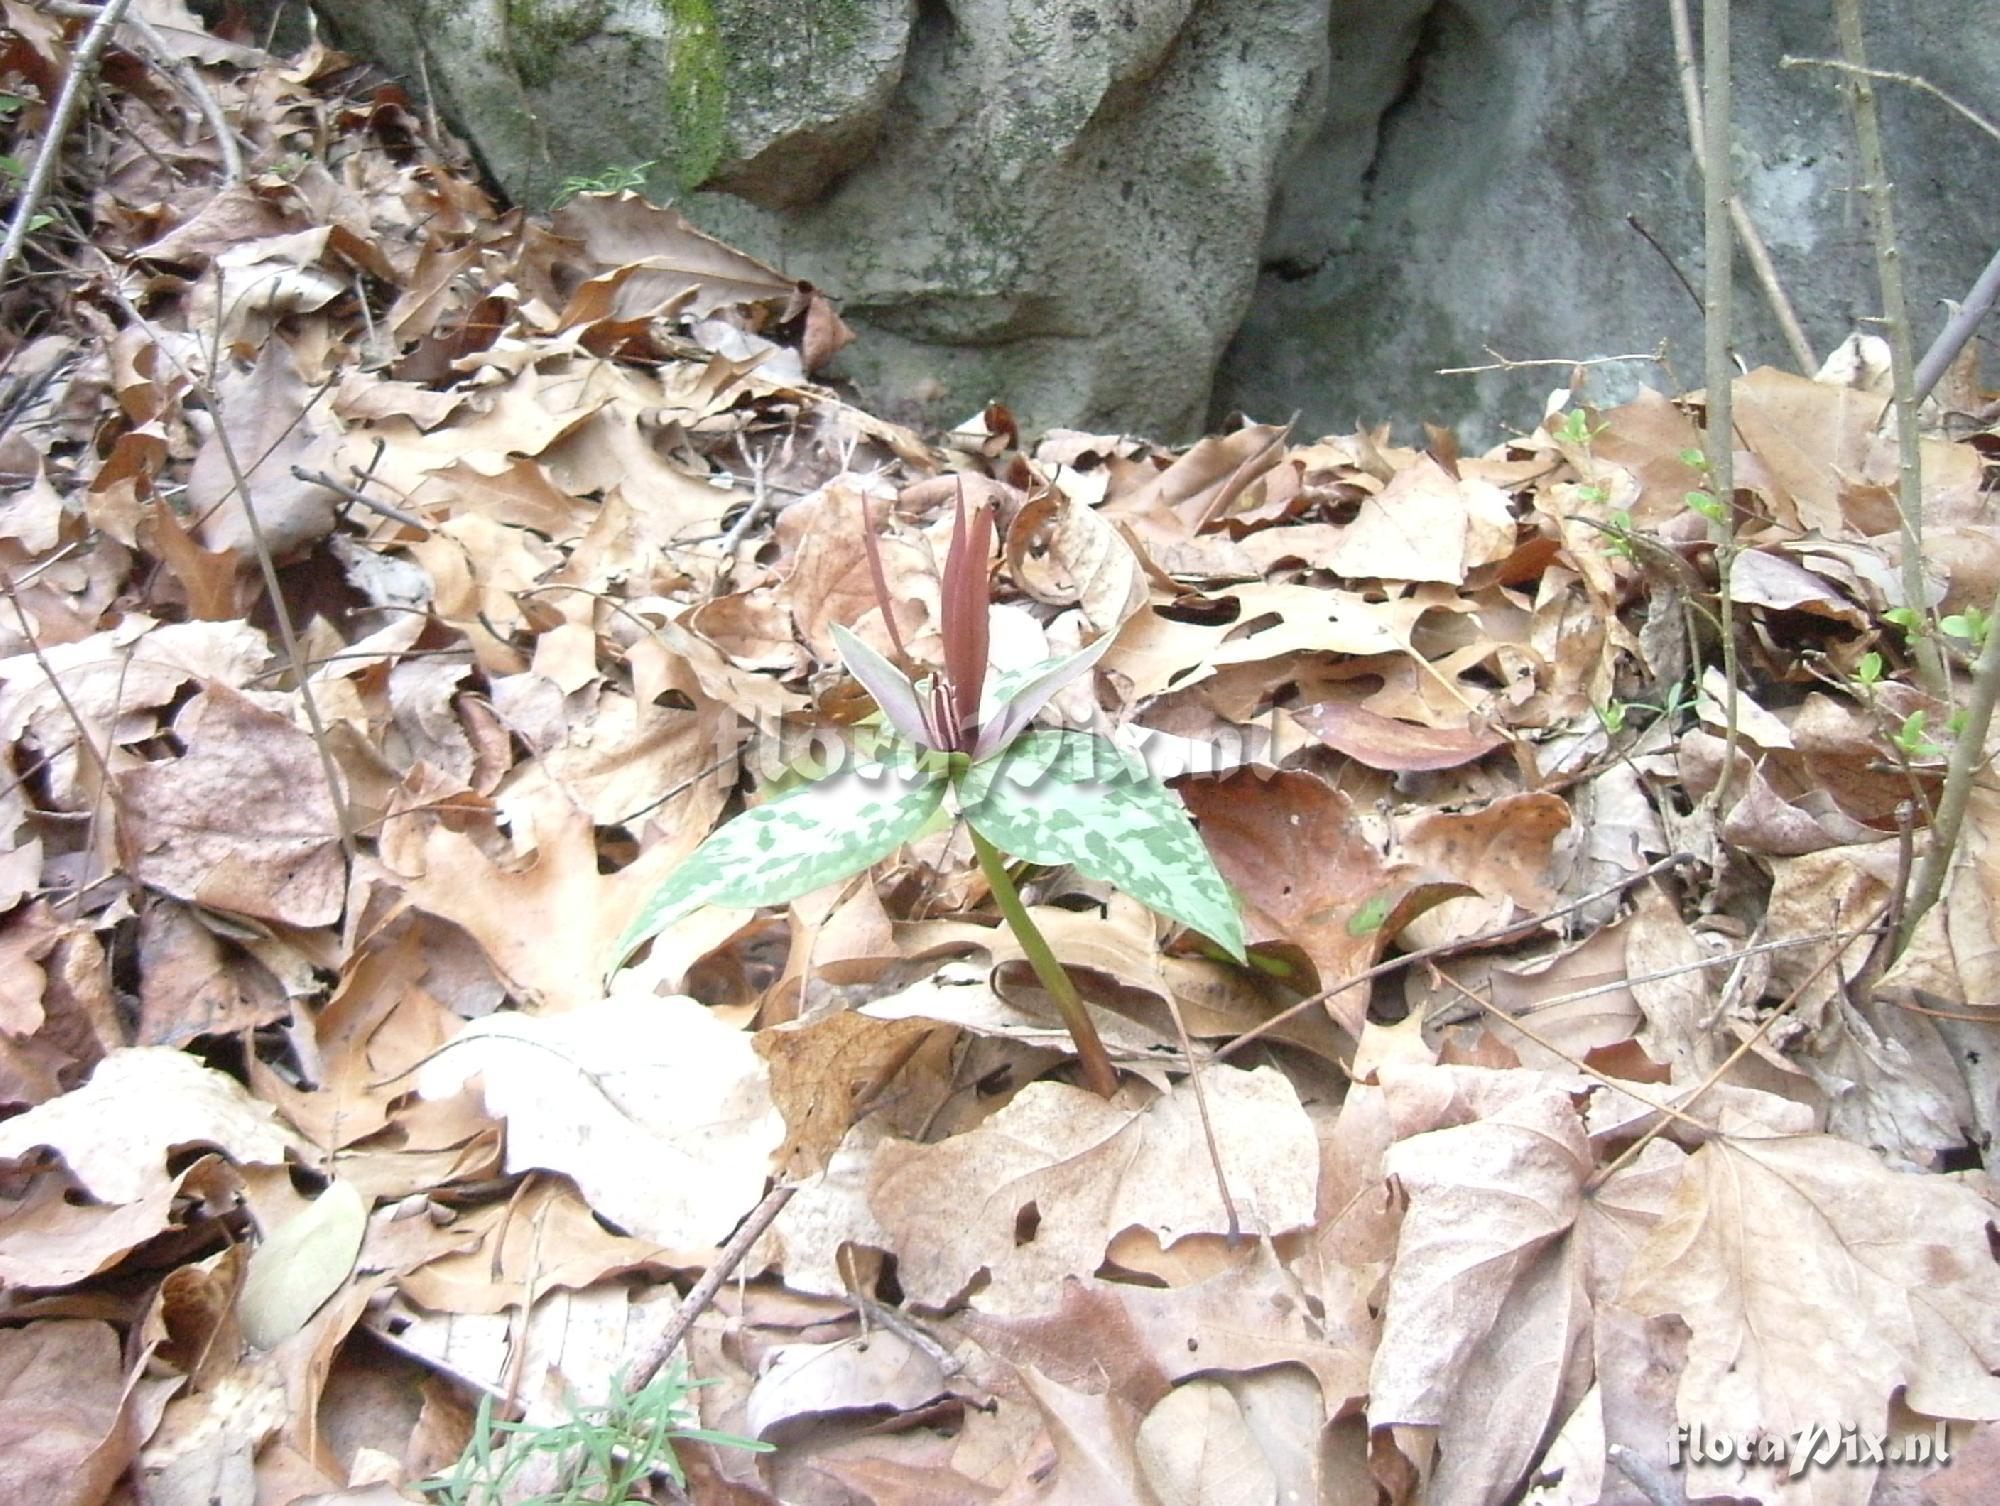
[
  {"x": 1718, "y": 195},
  {"x": 83, "y": 63},
  {"x": 83, "y": 740},
  {"x": 355, "y": 494},
  {"x": 1618, "y": 1084},
  {"x": 1896, "y": 326},
  {"x": 1790, "y": 1002},
  {"x": 1502, "y": 363},
  {"x": 695, "y": 1303},
  {"x": 1968, "y": 756},
  {"x": 1889, "y": 76},
  {"x": 1638, "y": 227},
  {"x": 1207, "y": 1126},
  {"x": 184, "y": 73},
  {"x": 760, "y": 502},
  {"x": 1746, "y": 228},
  {"x": 1445, "y": 948},
  {"x": 1958, "y": 329},
  {"x": 732, "y": 1254}
]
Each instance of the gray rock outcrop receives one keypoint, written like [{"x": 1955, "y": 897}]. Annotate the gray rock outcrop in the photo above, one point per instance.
[{"x": 1147, "y": 213}]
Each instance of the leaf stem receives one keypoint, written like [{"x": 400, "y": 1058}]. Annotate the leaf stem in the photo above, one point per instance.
[{"x": 1098, "y": 1073}]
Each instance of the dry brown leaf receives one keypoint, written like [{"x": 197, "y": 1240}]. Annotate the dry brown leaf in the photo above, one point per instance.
[
  {"x": 1815, "y": 1282},
  {"x": 1426, "y": 525},
  {"x": 1483, "y": 1298},
  {"x": 876, "y": 1373},
  {"x": 1196, "y": 1449},
  {"x": 243, "y": 822},
  {"x": 548, "y": 927},
  {"x": 1381, "y": 742},
  {"x": 673, "y": 260},
  {"x": 1304, "y": 871},
  {"x": 266, "y": 429},
  {"x": 513, "y": 1253},
  {"x": 1065, "y": 554},
  {"x": 65, "y": 1433},
  {"x": 1060, "y": 1171}
]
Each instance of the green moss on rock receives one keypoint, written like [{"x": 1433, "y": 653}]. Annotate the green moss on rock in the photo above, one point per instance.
[
  {"x": 539, "y": 32},
  {"x": 697, "y": 89}
]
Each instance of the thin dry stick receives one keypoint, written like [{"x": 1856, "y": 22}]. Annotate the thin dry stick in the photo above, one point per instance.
[
  {"x": 1207, "y": 1126},
  {"x": 1718, "y": 297},
  {"x": 184, "y": 74},
  {"x": 1890, "y": 76},
  {"x": 1746, "y": 228},
  {"x": 1896, "y": 325},
  {"x": 1445, "y": 948},
  {"x": 240, "y": 485},
  {"x": 1604, "y": 1173},
  {"x": 282, "y": 613},
  {"x": 1617, "y": 1084},
  {"x": 1958, "y": 329},
  {"x": 703, "y": 1291},
  {"x": 1502, "y": 363},
  {"x": 82, "y": 64},
  {"x": 1968, "y": 756},
  {"x": 97, "y": 757},
  {"x": 732, "y": 1254},
  {"x": 355, "y": 494}
]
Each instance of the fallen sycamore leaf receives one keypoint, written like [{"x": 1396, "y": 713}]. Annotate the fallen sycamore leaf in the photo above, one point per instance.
[{"x": 1815, "y": 1283}]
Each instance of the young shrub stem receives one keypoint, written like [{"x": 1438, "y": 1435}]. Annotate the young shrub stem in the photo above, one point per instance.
[
  {"x": 1718, "y": 192},
  {"x": 1896, "y": 329},
  {"x": 1968, "y": 755}
]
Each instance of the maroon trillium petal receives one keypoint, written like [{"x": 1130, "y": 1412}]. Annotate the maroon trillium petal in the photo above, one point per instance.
[
  {"x": 881, "y": 579},
  {"x": 965, "y": 623}
]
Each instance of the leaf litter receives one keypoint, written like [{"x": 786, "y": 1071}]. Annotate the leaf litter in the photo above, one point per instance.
[{"x": 1559, "y": 1108}]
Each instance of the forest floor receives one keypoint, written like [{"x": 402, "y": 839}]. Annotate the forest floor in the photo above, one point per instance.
[{"x": 400, "y": 588}]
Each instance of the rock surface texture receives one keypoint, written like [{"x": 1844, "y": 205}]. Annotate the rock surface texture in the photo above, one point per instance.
[{"x": 1148, "y": 213}]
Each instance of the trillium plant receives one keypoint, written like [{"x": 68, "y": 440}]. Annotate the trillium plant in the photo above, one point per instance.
[{"x": 1041, "y": 795}]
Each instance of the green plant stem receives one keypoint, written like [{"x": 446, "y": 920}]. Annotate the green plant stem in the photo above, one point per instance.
[
  {"x": 1718, "y": 193},
  {"x": 1896, "y": 329},
  {"x": 1967, "y": 757},
  {"x": 1098, "y": 1073}
]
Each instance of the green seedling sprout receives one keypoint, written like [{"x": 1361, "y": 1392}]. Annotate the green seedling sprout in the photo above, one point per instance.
[{"x": 1041, "y": 795}]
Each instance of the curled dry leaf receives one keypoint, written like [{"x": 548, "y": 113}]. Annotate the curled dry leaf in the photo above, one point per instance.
[
  {"x": 116, "y": 1132},
  {"x": 1066, "y": 554}
]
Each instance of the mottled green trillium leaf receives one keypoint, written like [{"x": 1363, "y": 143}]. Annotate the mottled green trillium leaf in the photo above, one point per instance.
[
  {"x": 792, "y": 845},
  {"x": 1068, "y": 797}
]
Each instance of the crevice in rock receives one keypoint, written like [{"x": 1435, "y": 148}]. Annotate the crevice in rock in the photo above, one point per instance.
[{"x": 1431, "y": 33}]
